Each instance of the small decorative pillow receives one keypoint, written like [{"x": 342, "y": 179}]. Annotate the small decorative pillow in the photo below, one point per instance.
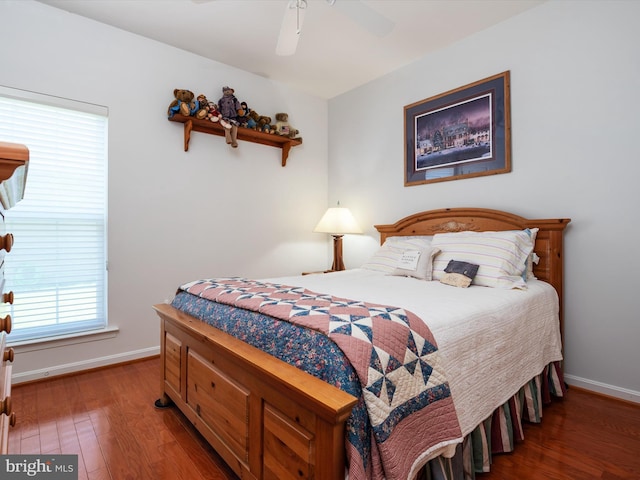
[
  {"x": 416, "y": 263},
  {"x": 459, "y": 274},
  {"x": 386, "y": 258}
]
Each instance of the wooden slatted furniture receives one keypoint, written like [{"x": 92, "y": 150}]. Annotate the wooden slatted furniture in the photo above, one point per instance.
[
  {"x": 14, "y": 160},
  {"x": 271, "y": 421}
]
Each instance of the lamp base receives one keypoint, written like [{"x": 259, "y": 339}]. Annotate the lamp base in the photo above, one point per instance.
[{"x": 338, "y": 264}]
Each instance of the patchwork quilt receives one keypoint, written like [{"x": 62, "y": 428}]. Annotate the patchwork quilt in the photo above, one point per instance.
[{"x": 395, "y": 358}]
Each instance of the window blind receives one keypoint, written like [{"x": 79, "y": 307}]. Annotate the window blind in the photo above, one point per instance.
[{"x": 57, "y": 266}]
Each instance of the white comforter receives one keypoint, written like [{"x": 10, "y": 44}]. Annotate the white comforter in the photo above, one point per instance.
[{"x": 491, "y": 341}]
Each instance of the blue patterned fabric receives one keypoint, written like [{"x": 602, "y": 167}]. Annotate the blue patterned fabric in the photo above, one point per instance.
[{"x": 301, "y": 347}]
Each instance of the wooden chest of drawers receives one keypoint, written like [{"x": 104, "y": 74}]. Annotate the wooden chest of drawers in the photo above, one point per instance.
[{"x": 14, "y": 161}]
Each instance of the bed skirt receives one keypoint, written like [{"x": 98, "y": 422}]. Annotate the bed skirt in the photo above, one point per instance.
[{"x": 499, "y": 432}]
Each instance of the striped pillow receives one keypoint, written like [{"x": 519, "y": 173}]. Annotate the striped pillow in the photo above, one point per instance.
[
  {"x": 501, "y": 256},
  {"x": 386, "y": 259},
  {"x": 533, "y": 258}
]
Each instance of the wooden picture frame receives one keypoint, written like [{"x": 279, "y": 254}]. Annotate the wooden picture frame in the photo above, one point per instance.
[{"x": 462, "y": 133}]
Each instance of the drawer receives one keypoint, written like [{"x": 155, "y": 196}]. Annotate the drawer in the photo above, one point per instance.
[
  {"x": 221, "y": 403},
  {"x": 172, "y": 362},
  {"x": 7, "y": 416},
  {"x": 289, "y": 449}
]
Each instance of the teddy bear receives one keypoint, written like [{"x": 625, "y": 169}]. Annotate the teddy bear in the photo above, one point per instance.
[
  {"x": 183, "y": 103},
  {"x": 259, "y": 122},
  {"x": 264, "y": 124},
  {"x": 211, "y": 111},
  {"x": 202, "y": 107},
  {"x": 230, "y": 109},
  {"x": 283, "y": 127},
  {"x": 252, "y": 120}
]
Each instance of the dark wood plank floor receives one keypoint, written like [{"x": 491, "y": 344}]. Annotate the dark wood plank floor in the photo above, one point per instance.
[{"x": 107, "y": 418}]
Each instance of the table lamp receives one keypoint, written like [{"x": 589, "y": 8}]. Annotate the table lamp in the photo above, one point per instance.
[{"x": 337, "y": 221}]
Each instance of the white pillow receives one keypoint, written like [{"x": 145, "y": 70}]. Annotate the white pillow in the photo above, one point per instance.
[
  {"x": 386, "y": 258},
  {"x": 501, "y": 256},
  {"x": 416, "y": 263},
  {"x": 426, "y": 239},
  {"x": 533, "y": 258}
]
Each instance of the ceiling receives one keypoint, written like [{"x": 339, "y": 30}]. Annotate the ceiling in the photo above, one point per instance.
[{"x": 335, "y": 53}]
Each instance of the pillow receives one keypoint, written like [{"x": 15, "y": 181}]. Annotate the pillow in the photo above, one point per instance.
[
  {"x": 533, "y": 258},
  {"x": 416, "y": 263},
  {"x": 386, "y": 258},
  {"x": 459, "y": 274},
  {"x": 501, "y": 256},
  {"x": 426, "y": 239}
]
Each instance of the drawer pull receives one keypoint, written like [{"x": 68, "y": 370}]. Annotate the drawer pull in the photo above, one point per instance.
[
  {"x": 5, "y": 406},
  {"x": 5, "y": 324},
  {"x": 8, "y": 298},
  {"x": 8, "y": 355},
  {"x": 6, "y": 242}
]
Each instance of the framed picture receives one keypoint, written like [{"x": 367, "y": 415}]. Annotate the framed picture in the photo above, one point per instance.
[{"x": 461, "y": 133}]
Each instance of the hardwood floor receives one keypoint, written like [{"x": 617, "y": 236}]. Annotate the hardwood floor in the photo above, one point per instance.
[{"x": 107, "y": 418}]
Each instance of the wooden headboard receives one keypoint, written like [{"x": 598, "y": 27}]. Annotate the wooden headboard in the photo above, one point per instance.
[{"x": 548, "y": 244}]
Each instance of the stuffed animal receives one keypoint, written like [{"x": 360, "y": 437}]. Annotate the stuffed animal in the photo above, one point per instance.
[
  {"x": 212, "y": 114},
  {"x": 283, "y": 127},
  {"x": 229, "y": 106},
  {"x": 264, "y": 124},
  {"x": 244, "y": 118},
  {"x": 252, "y": 121},
  {"x": 230, "y": 109},
  {"x": 183, "y": 103},
  {"x": 202, "y": 107},
  {"x": 259, "y": 122}
]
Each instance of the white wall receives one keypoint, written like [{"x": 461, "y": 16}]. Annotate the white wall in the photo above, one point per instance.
[
  {"x": 574, "y": 102},
  {"x": 173, "y": 216}
]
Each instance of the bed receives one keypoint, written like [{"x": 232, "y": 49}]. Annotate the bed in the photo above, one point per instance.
[{"x": 269, "y": 419}]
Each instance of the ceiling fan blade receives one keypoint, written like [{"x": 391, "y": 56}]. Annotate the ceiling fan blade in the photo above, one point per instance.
[
  {"x": 291, "y": 28},
  {"x": 365, "y": 16}
]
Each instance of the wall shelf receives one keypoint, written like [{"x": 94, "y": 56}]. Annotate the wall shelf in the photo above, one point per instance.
[{"x": 246, "y": 134}]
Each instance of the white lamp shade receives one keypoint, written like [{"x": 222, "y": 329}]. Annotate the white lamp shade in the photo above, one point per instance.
[{"x": 337, "y": 221}]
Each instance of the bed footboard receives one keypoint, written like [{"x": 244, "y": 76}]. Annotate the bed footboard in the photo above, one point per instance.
[{"x": 266, "y": 418}]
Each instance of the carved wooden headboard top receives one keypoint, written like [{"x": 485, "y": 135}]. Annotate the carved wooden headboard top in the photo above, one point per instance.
[{"x": 548, "y": 244}]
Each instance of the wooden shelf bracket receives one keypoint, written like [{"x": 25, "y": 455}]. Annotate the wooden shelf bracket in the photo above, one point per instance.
[{"x": 192, "y": 124}]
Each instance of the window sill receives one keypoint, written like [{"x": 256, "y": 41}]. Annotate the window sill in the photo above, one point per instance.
[{"x": 62, "y": 340}]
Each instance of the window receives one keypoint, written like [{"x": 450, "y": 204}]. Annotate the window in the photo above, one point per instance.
[{"x": 57, "y": 266}]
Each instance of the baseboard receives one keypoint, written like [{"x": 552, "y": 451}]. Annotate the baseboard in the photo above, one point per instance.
[
  {"x": 90, "y": 364},
  {"x": 584, "y": 383},
  {"x": 603, "y": 388}
]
